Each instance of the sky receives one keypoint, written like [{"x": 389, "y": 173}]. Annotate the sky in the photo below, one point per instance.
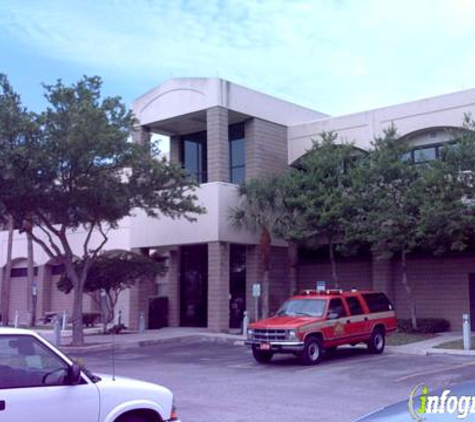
[{"x": 335, "y": 56}]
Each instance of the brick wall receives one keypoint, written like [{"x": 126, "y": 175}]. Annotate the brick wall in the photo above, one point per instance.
[
  {"x": 218, "y": 286},
  {"x": 218, "y": 144},
  {"x": 440, "y": 284},
  {"x": 266, "y": 148},
  {"x": 440, "y": 287},
  {"x": 351, "y": 273}
]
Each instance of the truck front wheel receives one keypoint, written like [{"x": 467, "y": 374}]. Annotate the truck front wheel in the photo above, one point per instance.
[
  {"x": 312, "y": 351},
  {"x": 261, "y": 356}
]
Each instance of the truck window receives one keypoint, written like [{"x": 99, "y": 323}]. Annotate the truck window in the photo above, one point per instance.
[
  {"x": 354, "y": 305},
  {"x": 336, "y": 307},
  {"x": 377, "y": 302}
]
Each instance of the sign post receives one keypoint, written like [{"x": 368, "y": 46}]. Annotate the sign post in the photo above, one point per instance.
[
  {"x": 256, "y": 293},
  {"x": 321, "y": 286}
]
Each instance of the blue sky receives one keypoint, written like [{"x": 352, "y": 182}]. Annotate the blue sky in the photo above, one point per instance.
[{"x": 337, "y": 56}]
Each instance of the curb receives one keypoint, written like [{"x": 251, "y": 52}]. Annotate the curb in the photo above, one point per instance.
[{"x": 118, "y": 345}]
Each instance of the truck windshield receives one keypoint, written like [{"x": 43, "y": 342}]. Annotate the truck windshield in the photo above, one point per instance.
[{"x": 303, "y": 307}]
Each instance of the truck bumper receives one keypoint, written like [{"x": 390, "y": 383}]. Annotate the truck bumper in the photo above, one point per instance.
[{"x": 277, "y": 346}]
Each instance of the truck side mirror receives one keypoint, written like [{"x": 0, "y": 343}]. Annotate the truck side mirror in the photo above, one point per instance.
[
  {"x": 333, "y": 315},
  {"x": 74, "y": 374}
]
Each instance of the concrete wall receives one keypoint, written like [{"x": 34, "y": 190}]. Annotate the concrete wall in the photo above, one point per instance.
[
  {"x": 361, "y": 128},
  {"x": 180, "y": 96}
]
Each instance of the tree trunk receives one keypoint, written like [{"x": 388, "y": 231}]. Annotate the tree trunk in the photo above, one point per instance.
[
  {"x": 407, "y": 287},
  {"x": 331, "y": 248},
  {"x": 78, "y": 290},
  {"x": 293, "y": 261},
  {"x": 5, "y": 310},
  {"x": 265, "y": 265},
  {"x": 30, "y": 278}
]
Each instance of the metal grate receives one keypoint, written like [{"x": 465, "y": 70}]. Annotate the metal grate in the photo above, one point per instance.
[{"x": 269, "y": 335}]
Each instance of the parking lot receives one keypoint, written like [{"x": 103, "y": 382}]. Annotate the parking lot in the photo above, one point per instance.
[{"x": 221, "y": 382}]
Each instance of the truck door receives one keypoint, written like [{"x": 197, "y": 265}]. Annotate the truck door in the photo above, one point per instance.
[
  {"x": 357, "y": 322},
  {"x": 338, "y": 315}
]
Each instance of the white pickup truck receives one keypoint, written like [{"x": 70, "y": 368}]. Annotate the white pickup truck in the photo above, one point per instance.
[{"x": 38, "y": 382}]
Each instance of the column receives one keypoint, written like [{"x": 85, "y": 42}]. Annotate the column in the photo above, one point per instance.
[
  {"x": 174, "y": 289},
  {"x": 217, "y": 144},
  {"x": 218, "y": 286}
]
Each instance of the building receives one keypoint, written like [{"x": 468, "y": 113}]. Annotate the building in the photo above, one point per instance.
[{"x": 224, "y": 134}]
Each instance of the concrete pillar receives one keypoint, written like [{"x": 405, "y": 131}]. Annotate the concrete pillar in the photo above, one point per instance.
[
  {"x": 381, "y": 276},
  {"x": 141, "y": 135},
  {"x": 218, "y": 286},
  {"x": 175, "y": 149},
  {"x": 174, "y": 289},
  {"x": 217, "y": 144}
]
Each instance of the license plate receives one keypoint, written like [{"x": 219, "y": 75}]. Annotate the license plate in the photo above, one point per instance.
[{"x": 265, "y": 346}]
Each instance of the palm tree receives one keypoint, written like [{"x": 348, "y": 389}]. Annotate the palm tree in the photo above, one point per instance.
[{"x": 258, "y": 214}]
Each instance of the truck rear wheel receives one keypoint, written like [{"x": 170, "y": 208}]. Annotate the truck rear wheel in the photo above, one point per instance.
[
  {"x": 261, "y": 356},
  {"x": 312, "y": 351},
  {"x": 377, "y": 341}
]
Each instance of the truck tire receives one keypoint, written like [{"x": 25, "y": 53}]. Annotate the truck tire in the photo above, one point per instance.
[
  {"x": 261, "y": 356},
  {"x": 377, "y": 341},
  {"x": 312, "y": 351}
]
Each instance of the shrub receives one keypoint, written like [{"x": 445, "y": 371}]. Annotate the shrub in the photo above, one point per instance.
[
  {"x": 424, "y": 325},
  {"x": 116, "y": 329}
]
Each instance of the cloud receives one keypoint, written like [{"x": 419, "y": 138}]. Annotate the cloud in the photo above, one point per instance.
[{"x": 334, "y": 56}]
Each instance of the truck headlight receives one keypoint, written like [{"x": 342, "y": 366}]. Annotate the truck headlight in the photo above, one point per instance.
[
  {"x": 292, "y": 335},
  {"x": 250, "y": 333}
]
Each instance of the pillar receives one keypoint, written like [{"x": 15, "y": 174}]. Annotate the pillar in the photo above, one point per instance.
[
  {"x": 217, "y": 144},
  {"x": 218, "y": 286}
]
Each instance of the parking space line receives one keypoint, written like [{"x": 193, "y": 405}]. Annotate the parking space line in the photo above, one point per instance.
[{"x": 435, "y": 371}]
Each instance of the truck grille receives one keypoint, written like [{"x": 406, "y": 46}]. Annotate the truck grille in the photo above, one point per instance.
[{"x": 269, "y": 335}]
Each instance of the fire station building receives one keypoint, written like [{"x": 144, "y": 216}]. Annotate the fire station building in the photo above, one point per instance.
[{"x": 225, "y": 134}]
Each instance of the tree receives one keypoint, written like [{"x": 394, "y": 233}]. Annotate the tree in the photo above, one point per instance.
[
  {"x": 448, "y": 217},
  {"x": 318, "y": 198},
  {"x": 258, "y": 213},
  {"x": 391, "y": 192},
  {"x": 109, "y": 275},
  {"x": 83, "y": 173},
  {"x": 16, "y": 125}
]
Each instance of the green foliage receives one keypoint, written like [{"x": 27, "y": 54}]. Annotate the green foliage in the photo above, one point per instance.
[
  {"x": 74, "y": 167},
  {"x": 390, "y": 195},
  {"x": 424, "y": 325},
  {"x": 114, "y": 272},
  {"x": 448, "y": 217},
  {"x": 317, "y": 196}
]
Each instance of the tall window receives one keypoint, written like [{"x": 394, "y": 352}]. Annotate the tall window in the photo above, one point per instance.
[
  {"x": 194, "y": 156},
  {"x": 237, "y": 154}
]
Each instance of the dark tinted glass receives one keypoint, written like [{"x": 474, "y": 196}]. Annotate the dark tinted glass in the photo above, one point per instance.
[
  {"x": 354, "y": 305},
  {"x": 237, "y": 153},
  {"x": 238, "y": 175},
  {"x": 194, "y": 156},
  {"x": 377, "y": 302},
  {"x": 336, "y": 306}
]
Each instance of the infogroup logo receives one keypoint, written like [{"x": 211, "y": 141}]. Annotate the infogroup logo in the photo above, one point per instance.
[{"x": 444, "y": 403}]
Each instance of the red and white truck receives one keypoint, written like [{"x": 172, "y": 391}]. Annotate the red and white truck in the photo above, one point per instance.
[{"x": 311, "y": 322}]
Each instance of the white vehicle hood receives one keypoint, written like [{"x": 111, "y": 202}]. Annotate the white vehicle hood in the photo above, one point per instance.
[{"x": 123, "y": 394}]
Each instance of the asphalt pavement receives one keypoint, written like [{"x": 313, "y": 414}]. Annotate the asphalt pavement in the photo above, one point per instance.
[{"x": 220, "y": 382}]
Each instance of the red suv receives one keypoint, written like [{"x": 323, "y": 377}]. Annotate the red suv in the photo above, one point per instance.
[{"x": 311, "y": 322}]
